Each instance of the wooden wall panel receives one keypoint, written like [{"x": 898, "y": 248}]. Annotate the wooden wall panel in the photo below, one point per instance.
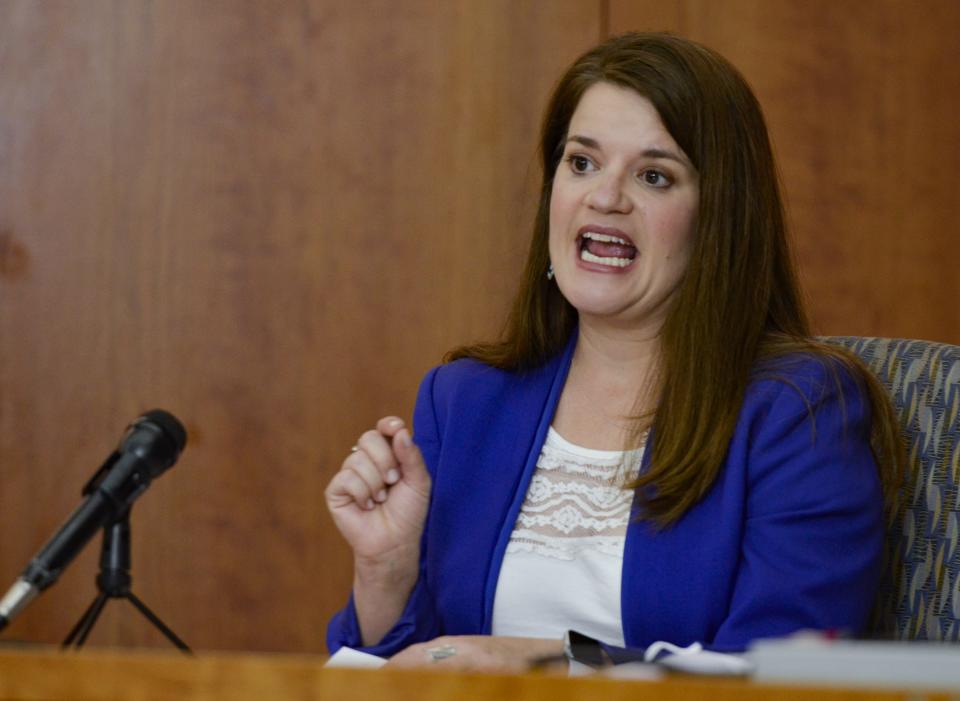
[
  {"x": 861, "y": 100},
  {"x": 269, "y": 218}
]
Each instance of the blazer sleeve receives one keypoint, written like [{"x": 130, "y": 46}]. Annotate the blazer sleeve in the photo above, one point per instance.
[
  {"x": 418, "y": 622},
  {"x": 813, "y": 526}
]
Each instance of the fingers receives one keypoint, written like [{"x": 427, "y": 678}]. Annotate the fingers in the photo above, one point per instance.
[
  {"x": 391, "y": 448},
  {"x": 382, "y": 458},
  {"x": 376, "y": 451},
  {"x": 411, "y": 461},
  {"x": 369, "y": 471},
  {"x": 389, "y": 425},
  {"x": 348, "y": 487}
]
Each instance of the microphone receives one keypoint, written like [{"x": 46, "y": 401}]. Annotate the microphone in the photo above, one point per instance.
[{"x": 150, "y": 446}]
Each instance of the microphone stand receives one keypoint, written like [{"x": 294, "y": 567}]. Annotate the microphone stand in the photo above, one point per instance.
[{"x": 113, "y": 582}]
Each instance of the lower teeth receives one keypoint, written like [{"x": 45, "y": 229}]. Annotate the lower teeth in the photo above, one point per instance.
[{"x": 615, "y": 262}]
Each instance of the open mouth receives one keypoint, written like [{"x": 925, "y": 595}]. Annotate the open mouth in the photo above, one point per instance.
[{"x": 605, "y": 249}]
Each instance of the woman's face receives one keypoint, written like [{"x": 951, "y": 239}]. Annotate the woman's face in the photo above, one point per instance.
[{"x": 622, "y": 211}]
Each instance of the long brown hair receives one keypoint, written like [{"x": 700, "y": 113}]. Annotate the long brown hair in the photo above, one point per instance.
[{"x": 739, "y": 300}]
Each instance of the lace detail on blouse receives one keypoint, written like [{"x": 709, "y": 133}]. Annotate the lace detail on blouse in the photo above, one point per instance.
[{"x": 576, "y": 501}]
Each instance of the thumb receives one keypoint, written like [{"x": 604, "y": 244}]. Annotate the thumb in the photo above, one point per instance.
[{"x": 412, "y": 466}]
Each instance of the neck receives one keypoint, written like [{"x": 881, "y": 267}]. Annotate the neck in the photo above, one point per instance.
[
  {"x": 621, "y": 357},
  {"x": 609, "y": 385}
]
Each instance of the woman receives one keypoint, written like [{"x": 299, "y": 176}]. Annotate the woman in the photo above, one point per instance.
[{"x": 656, "y": 450}]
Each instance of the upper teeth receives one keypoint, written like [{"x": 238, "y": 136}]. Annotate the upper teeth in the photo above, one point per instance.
[{"x": 604, "y": 237}]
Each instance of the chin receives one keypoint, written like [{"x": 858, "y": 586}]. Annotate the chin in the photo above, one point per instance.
[
  {"x": 591, "y": 306},
  {"x": 594, "y": 292}
]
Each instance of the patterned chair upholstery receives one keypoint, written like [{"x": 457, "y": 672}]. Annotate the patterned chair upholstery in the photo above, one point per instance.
[{"x": 920, "y": 595}]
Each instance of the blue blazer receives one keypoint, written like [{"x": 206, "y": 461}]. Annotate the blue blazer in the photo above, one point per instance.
[{"x": 789, "y": 537}]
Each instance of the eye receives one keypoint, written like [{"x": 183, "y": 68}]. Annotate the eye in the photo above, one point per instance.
[
  {"x": 655, "y": 178},
  {"x": 580, "y": 163}
]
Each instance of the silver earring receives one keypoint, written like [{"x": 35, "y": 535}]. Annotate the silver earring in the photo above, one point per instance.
[{"x": 550, "y": 272}]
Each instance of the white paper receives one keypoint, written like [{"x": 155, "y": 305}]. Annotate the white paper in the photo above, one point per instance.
[
  {"x": 708, "y": 662},
  {"x": 348, "y": 657}
]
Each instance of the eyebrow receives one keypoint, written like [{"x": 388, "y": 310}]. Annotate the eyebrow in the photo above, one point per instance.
[{"x": 647, "y": 153}]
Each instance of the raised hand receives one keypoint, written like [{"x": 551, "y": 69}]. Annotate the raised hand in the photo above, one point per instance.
[{"x": 378, "y": 501}]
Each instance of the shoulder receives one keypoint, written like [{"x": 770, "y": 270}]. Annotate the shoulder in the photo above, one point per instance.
[
  {"x": 803, "y": 437},
  {"x": 457, "y": 392},
  {"x": 805, "y": 401},
  {"x": 469, "y": 393},
  {"x": 467, "y": 372},
  {"x": 810, "y": 396},
  {"x": 807, "y": 379},
  {"x": 464, "y": 377},
  {"x": 471, "y": 379}
]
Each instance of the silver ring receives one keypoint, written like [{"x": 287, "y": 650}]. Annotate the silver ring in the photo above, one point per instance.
[
  {"x": 354, "y": 449},
  {"x": 441, "y": 652}
]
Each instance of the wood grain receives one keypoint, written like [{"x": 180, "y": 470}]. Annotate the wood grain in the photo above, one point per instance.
[
  {"x": 861, "y": 101},
  {"x": 44, "y": 676},
  {"x": 269, "y": 218}
]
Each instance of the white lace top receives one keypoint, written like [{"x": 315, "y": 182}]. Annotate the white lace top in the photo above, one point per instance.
[{"x": 563, "y": 563}]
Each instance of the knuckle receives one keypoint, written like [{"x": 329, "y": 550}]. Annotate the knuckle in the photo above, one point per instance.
[
  {"x": 371, "y": 436},
  {"x": 353, "y": 481},
  {"x": 356, "y": 475},
  {"x": 355, "y": 460},
  {"x": 336, "y": 484},
  {"x": 360, "y": 495},
  {"x": 371, "y": 478},
  {"x": 352, "y": 460}
]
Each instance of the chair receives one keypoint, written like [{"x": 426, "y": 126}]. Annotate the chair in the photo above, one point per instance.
[{"x": 919, "y": 596}]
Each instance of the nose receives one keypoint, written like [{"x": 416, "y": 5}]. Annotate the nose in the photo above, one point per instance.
[{"x": 608, "y": 194}]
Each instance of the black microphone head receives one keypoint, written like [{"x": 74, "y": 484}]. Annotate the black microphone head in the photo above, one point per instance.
[
  {"x": 169, "y": 424},
  {"x": 156, "y": 437}
]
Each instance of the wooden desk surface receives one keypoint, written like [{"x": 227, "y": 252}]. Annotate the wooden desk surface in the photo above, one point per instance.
[{"x": 49, "y": 675}]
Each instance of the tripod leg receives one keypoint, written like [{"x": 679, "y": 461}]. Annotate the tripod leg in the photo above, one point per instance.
[
  {"x": 83, "y": 626},
  {"x": 160, "y": 625}
]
